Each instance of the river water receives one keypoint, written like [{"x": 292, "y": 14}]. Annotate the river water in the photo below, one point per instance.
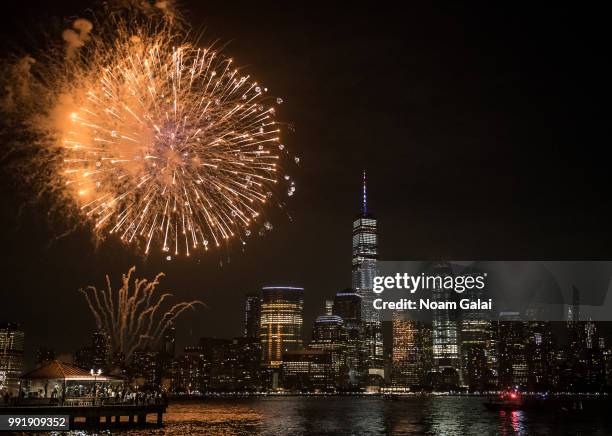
[{"x": 347, "y": 415}]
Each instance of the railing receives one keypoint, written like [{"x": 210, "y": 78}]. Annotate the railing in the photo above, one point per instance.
[{"x": 86, "y": 401}]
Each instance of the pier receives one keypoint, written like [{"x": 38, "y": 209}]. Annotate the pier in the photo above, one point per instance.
[
  {"x": 89, "y": 399},
  {"x": 99, "y": 416}
]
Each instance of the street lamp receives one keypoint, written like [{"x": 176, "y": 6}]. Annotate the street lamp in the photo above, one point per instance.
[{"x": 95, "y": 374}]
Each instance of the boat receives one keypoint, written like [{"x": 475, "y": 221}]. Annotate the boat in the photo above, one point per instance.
[{"x": 510, "y": 399}]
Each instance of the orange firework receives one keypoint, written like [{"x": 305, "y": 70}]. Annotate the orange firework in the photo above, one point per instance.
[{"x": 165, "y": 144}]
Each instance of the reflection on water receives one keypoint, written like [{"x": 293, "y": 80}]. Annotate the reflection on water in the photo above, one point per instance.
[{"x": 361, "y": 415}]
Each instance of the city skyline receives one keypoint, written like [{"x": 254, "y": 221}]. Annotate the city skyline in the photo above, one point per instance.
[
  {"x": 455, "y": 128},
  {"x": 454, "y": 351}
]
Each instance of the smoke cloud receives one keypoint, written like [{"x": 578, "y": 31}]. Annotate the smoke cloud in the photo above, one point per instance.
[
  {"x": 76, "y": 37},
  {"x": 17, "y": 83}
]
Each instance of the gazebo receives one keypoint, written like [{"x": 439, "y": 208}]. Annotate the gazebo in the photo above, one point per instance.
[{"x": 62, "y": 382}]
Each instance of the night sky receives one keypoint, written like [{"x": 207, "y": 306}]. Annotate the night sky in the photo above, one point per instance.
[{"x": 482, "y": 130}]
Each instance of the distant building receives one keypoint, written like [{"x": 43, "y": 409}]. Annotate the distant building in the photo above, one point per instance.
[
  {"x": 167, "y": 361},
  {"x": 97, "y": 355},
  {"x": 190, "y": 374},
  {"x": 575, "y": 329},
  {"x": 475, "y": 332},
  {"x": 540, "y": 355},
  {"x": 117, "y": 364},
  {"x": 83, "y": 357},
  {"x": 212, "y": 351},
  {"x": 364, "y": 269},
  {"x": 446, "y": 351},
  {"x": 411, "y": 353},
  {"x": 145, "y": 367},
  {"x": 607, "y": 356},
  {"x": 235, "y": 366},
  {"x": 11, "y": 356},
  {"x": 281, "y": 322},
  {"x": 347, "y": 305},
  {"x": 169, "y": 341},
  {"x": 219, "y": 365},
  {"x": 101, "y": 350},
  {"x": 308, "y": 370},
  {"x": 512, "y": 350},
  {"x": 252, "y": 315},
  {"x": 592, "y": 359},
  {"x": 329, "y": 334}
]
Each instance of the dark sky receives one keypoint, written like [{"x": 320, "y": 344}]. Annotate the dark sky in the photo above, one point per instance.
[{"x": 482, "y": 128}]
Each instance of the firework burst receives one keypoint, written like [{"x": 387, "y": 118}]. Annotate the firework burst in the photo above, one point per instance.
[
  {"x": 162, "y": 143},
  {"x": 133, "y": 315}
]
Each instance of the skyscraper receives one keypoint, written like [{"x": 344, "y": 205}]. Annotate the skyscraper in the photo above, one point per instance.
[
  {"x": 512, "y": 346},
  {"x": 475, "y": 333},
  {"x": 11, "y": 356},
  {"x": 575, "y": 330},
  {"x": 280, "y": 330},
  {"x": 347, "y": 305},
  {"x": 411, "y": 357},
  {"x": 169, "y": 342},
  {"x": 100, "y": 341},
  {"x": 540, "y": 351},
  {"x": 252, "y": 314},
  {"x": 364, "y": 266},
  {"x": 445, "y": 335},
  {"x": 329, "y": 334}
]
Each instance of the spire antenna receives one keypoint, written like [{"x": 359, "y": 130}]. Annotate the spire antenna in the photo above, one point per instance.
[{"x": 365, "y": 196}]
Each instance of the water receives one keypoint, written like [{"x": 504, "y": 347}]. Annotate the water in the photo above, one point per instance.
[{"x": 361, "y": 416}]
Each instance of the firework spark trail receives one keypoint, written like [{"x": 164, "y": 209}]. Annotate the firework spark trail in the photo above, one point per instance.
[
  {"x": 132, "y": 315},
  {"x": 154, "y": 140}
]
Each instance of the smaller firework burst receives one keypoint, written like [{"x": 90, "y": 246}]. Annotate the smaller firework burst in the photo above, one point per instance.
[{"x": 133, "y": 315}]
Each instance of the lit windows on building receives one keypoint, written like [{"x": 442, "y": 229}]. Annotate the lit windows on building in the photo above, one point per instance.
[
  {"x": 252, "y": 315},
  {"x": 11, "y": 356},
  {"x": 308, "y": 370},
  {"x": 364, "y": 269},
  {"x": 329, "y": 334},
  {"x": 281, "y": 322},
  {"x": 411, "y": 353}
]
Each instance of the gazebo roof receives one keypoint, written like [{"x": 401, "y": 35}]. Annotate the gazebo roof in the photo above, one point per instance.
[{"x": 56, "y": 369}]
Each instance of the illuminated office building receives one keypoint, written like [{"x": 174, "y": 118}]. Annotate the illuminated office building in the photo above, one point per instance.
[
  {"x": 512, "y": 346},
  {"x": 11, "y": 357},
  {"x": 191, "y": 372},
  {"x": 308, "y": 370},
  {"x": 145, "y": 364},
  {"x": 476, "y": 346},
  {"x": 445, "y": 335},
  {"x": 101, "y": 349},
  {"x": 281, "y": 321},
  {"x": 329, "y": 334},
  {"x": 575, "y": 329},
  {"x": 347, "y": 305},
  {"x": 540, "y": 350},
  {"x": 252, "y": 314},
  {"x": 364, "y": 267},
  {"x": 169, "y": 341},
  {"x": 410, "y": 355}
]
